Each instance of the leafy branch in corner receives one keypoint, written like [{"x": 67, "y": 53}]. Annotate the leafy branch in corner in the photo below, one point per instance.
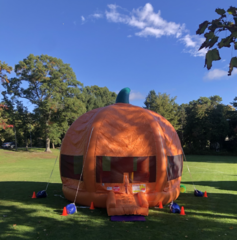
[{"x": 215, "y": 27}]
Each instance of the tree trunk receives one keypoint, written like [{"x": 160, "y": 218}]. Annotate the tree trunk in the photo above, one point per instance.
[
  {"x": 26, "y": 144},
  {"x": 47, "y": 138},
  {"x": 53, "y": 145},
  {"x": 30, "y": 138},
  {"x": 15, "y": 138},
  {"x": 47, "y": 145}
]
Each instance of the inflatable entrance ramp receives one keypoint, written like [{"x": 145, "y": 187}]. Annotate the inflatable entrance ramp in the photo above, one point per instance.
[{"x": 127, "y": 204}]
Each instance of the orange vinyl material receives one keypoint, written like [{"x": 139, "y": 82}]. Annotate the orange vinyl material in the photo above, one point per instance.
[
  {"x": 121, "y": 130},
  {"x": 125, "y": 204}
]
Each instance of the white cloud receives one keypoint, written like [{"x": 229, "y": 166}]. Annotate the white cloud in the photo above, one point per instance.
[
  {"x": 149, "y": 23},
  {"x": 146, "y": 20},
  {"x": 97, "y": 15},
  {"x": 192, "y": 44},
  {"x": 217, "y": 74},
  {"x": 134, "y": 95}
]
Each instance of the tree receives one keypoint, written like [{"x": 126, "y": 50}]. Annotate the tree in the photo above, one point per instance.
[
  {"x": 218, "y": 124},
  {"x": 182, "y": 121},
  {"x": 17, "y": 115},
  {"x": 3, "y": 120},
  {"x": 4, "y": 79},
  {"x": 234, "y": 103},
  {"x": 23, "y": 119},
  {"x": 6, "y": 68},
  {"x": 206, "y": 122},
  {"x": 52, "y": 87},
  {"x": 96, "y": 97},
  {"x": 232, "y": 119},
  {"x": 164, "y": 105},
  {"x": 213, "y": 29},
  {"x": 196, "y": 129}
]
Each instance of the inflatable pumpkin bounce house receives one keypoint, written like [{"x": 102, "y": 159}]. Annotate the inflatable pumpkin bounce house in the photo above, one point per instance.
[{"x": 121, "y": 157}]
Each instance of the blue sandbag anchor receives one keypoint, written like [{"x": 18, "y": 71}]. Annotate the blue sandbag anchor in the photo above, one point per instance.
[
  {"x": 198, "y": 193},
  {"x": 71, "y": 208},
  {"x": 41, "y": 194},
  {"x": 174, "y": 207}
]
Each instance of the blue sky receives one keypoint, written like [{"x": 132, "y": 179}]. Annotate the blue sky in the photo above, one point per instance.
[{"x": 138, "y": 44}]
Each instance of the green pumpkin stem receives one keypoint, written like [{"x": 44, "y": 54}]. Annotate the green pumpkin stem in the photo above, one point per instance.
[{"x": 123, "y": 96}]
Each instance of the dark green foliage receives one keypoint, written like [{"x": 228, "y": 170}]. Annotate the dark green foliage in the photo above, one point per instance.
[
  {"x": 233, "y": 63},
  {"x": 211, "y": 40},
  {"x": 95, "y": 97},
  {"x": 182, "y": 121},
  {"x": 232, "y": 119},
  {"x": 164, "y": 105},
  {"x": 202, "y": 27},
  {"x": 212, "y": 55},
  {"x": 220, "y": 11},
  {"x": 232, "y": 11},
  {"x": 225, "y": 42},
  {"x": 216, "y": 26},
  {"x": 206, "y": 123}
]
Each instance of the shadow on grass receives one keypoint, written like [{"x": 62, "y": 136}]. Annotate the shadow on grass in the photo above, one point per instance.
[
  {"x": 22, "y": 217},
  {"x": 211, "y": 159}
]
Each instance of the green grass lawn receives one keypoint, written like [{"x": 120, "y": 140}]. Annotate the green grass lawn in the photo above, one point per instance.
[{"x": 21, "y": 217}]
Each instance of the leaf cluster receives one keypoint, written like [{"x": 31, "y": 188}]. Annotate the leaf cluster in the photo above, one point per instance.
[
  {"x": 212, "y": 29},
  {"x": 4, "y": 68}
]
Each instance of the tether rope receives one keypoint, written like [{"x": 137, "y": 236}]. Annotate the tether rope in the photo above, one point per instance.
[
  {"x": 51, "y": 174},
  {"x": 78, "y": 186},
  {"x": 189, "y": 169}
]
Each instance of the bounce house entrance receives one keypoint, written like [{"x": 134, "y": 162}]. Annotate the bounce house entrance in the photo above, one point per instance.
[
  {"x": 127, "y": 204},
  {"x": 125, "y": 174}
]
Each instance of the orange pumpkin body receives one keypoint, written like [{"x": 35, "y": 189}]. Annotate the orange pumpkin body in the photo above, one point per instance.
[{"x": 127, "y": 154}]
